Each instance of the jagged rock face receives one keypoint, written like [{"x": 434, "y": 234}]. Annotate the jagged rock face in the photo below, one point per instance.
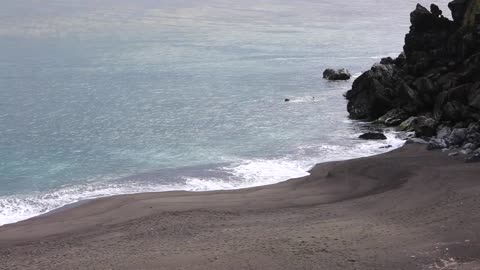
[
  {"x": 421, "y": 18},
  {"x": 458, "y": 8},
  {"x": 438, "y": 75},
  {"x": 393, "y": 117},
  {"x": 427, "y": 42},
  {"x": 372, "y": 93}
]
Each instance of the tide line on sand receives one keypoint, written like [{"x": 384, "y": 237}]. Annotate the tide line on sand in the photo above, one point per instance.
[{"x": 401, "y": 210}]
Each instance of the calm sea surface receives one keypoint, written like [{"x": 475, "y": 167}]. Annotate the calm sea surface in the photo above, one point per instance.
[{"x": 109, "y": 97}]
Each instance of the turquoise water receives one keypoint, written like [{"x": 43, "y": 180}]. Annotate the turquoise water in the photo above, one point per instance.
[{"x": 111, "y": 97}]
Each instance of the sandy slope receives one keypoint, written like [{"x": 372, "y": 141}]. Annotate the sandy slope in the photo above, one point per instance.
[{"x": 408, "y": 209}]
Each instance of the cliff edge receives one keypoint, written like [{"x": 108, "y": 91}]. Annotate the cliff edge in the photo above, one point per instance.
[{"x": 434, "y": 85}]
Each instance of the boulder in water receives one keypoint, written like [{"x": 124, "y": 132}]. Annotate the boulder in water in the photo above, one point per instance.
[
  {"x": 373, "y": 136},
  {"x": 336, "y": 74}
]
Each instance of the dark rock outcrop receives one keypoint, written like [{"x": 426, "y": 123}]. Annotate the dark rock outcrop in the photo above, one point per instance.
[
  {"x": 373, "y": 136},
  {"x": 425, "y": 126},
  {"x": 434, "y": 85},
  {"x": 372, "y": 93},
  {"x": 444, "y": 132},
  {"x": 439, "y": 72},
  {"x": 408, "y": 125},
  {"x": 393, "y": 117},
  {"x": 457, "y": 137},
  {"x": 436, "y": 144},
  {"x": 336, "y": 74},
  {"x": 458, "y": 8}
]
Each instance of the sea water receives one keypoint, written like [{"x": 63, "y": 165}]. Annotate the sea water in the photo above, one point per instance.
[{"x": 108, "y": 97}]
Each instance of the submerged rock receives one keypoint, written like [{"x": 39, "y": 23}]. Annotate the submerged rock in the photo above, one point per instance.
[
  {"x": 336, "y": 74},
  {"x": 373, "y": 136}
]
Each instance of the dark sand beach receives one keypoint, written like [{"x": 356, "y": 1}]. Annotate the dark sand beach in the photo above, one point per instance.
[{"x": 407, "y": 209}]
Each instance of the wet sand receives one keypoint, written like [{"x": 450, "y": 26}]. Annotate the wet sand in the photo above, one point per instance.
[{"x": 407, "y": 209}]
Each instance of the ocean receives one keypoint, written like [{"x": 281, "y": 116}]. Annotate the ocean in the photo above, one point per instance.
[{"x": 106, "y": 97}]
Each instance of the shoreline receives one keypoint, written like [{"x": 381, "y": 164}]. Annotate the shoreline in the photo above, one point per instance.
[
  {"x": 84, "y": 201},
  {"x": 386, "y": 208},
  {"x": 412, "y": 207},
  {"x": 392, "y": 143}
]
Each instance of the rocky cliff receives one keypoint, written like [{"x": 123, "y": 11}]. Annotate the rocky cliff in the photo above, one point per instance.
[{"x": 435, "y": 83}]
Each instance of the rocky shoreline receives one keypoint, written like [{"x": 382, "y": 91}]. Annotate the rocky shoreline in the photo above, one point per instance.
[{"x": 433, "y": 87}]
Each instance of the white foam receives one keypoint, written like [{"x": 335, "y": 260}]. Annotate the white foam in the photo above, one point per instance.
[
  {"x": 392, "y": 54},
  {"x": 305, "y": 99},
  {"x": 259, "y": 172},
  {"x": 356, "y": 75},
  {"x": 206, "y": 184},
  {"x": 241, "y": 174},
  {"x": 21, "y": 207}
]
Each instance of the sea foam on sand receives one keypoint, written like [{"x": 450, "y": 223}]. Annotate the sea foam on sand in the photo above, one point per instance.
[{"x": 236, "y": 175}]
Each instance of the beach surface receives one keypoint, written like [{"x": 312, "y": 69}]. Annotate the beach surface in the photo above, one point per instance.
[{"x": 407, "y": 209}]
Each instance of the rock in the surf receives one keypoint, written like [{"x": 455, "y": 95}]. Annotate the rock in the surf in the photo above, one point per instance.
[
  {"x": 373, "y": 136},
  {"x": 336, "y": 74}
]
